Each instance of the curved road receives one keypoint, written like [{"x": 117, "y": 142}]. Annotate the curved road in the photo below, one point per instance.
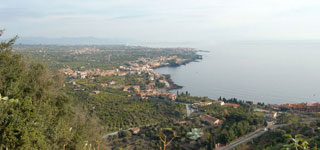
[
  {"x": 250, "y": 136},
  {"x": 239, "y": 141}
]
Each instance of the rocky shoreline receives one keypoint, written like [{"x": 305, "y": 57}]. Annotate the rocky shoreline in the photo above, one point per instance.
[{"x": 174, "y": 86}]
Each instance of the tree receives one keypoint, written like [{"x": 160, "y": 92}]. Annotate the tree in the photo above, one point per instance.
[
  {"x": 19, "y": 117},
  {"x": 123, "y": 134},
  {"x": 17, "y": 125},
  {"x": 7, "y": 46},
  {"x": 265, "y": 123},
  {"x": 164, "y": 141},
  {"x": 34, "y": 114},
  {"x": 296, "y": 142},
  {"x": 211, "y": 143}
]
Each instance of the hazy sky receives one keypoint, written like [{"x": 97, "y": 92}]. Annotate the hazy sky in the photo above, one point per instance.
[{"x": 163, "y": 20}]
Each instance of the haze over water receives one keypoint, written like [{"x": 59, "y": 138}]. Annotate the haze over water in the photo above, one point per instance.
[{"x": 270, "y": 72}]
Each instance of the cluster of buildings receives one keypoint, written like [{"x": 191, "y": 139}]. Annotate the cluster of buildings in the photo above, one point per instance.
[
  {"x": 146, "y": 65},
  {"x": 88, "y": 73},
  {"x": 85, "y": 51},
  {"x": 141, "y": 66},
  {"x": 302, "y": 107},
  {"x": 148, "y": 92},
  {"x": 166, "y": 95}
]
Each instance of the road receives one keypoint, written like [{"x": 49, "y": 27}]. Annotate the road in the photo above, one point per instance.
[
  {"x": 110, "y": 134},
  {"x": 244, "y": 139},
  {"x": 116, "y": 132},
  {"x": 189, "y": 107},
  {"x": 250, "y": 136}
]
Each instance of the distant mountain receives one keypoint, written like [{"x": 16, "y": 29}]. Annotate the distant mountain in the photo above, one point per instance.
[
  {"x": 71, "y": 40},
  {"x": 98, "y": 41}
]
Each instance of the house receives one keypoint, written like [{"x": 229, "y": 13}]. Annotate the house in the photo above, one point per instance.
[
  {"x": 232, "y": 105},
  {"x": 221, "y": 103},
  {"x": 172, "y": 96},
  {"x": 126, "y": 88},
  {"x": 122, "y": 73},
  {"x": 108, "y": 72},
  {"x": 103, "y": 84},
  {"x": 302, "y": 107},
  {"x": 203, "y": 103},
  {"x": 136, "y": 88},
  {"x": 148, "y": 88},
  {"x": 96, "y": 92},
  {"x": 74, "y": 75},
  {"x": 129, "y": 88},
  {"x": 122, "y": 67},
  {"x": 135, "y": 130},
  {"x": 211, "y": 120},
  {"x": 83, "y": 76},
  {"x": 112, "y": 83},
  {"x": 142, "y": 95}
]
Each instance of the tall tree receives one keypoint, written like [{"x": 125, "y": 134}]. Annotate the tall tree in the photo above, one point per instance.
[
  {"x": 211, "y": 143},
  {"x": 32, "y": 114}
]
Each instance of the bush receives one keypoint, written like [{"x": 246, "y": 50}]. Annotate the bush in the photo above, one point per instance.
[{"x": 123, "y": 134}]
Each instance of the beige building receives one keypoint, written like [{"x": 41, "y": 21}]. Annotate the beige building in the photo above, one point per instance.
[{"x": 211, "y": 120}]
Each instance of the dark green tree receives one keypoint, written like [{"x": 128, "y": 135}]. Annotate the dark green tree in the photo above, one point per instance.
[
  {"x": 211, "y": 143},
  {"x": 34, "y": 114}
]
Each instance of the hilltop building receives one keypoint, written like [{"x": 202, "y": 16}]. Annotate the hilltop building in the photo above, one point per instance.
[{"x": 211, "y": 120}]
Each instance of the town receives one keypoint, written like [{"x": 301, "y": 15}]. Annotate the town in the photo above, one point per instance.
[{"x": 157, "y": 85}]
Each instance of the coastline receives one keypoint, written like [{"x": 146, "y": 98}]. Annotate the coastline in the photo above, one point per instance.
[{"x": 174, "y": 86}]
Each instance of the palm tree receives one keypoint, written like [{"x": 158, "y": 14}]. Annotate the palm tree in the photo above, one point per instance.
[{"x": 295, "y": 143}]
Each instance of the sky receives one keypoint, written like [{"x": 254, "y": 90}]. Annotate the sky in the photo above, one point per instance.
[{"x": 163, "y": 20}]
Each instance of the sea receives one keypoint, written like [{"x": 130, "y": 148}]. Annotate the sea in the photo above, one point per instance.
[{"x": 273, "y": 72}]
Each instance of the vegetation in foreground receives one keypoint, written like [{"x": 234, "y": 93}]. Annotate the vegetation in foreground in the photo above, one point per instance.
[
  {"x": 38, "y": 110},
  {"x": 35, "y": 113},
  {"x": 296, "y": 136}
]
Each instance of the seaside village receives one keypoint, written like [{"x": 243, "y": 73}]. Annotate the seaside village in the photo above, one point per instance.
[
  {"x": 143, "y": 66},
  {"x": 147, "y": 66}
]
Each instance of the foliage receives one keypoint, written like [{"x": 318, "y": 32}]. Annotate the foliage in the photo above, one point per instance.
[
  {"x": 296, "y": 142},
  {"x": 185, "y": 97},
  {"x": 306, "y": 136},
  {"x": 237, "y": 122},
  {"x": 34, "y": 113},
  {"x": 119, "y": 112}
]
